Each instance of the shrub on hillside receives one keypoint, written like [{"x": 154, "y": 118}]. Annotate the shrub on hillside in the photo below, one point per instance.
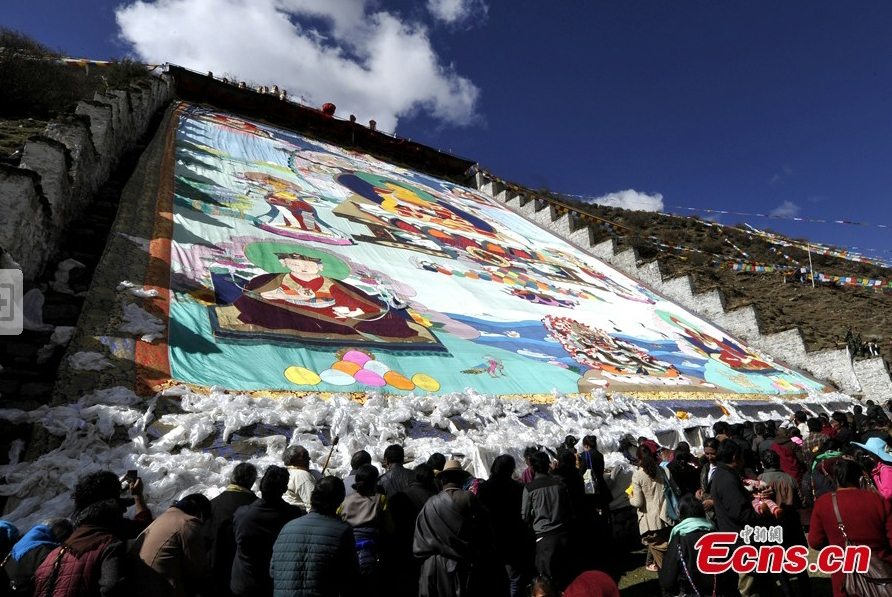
[{"x": 35, "y": 86}]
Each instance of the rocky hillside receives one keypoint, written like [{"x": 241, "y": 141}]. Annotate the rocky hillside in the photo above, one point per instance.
[{"x": 824, "y": 313}]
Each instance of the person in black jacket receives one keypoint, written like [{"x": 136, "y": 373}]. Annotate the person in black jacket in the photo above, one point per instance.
[
  {"x": 222, "y": 541},
  {"x": 502, "y": 496},
  {"x": 397, "y": 477},
  {"x": 255, "y": 528},
  {"x": 405, "y": 506},
  {"x": 453, "y": 538},
  {"x": 684, "y": 469},
  {"x": 733, "y": 506},
  {"x": 679, "y": 574},
  {"x": 546, "y": 509}
]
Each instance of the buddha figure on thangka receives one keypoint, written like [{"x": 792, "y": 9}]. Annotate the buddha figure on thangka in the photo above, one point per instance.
[{"x": 303, "y": 298}]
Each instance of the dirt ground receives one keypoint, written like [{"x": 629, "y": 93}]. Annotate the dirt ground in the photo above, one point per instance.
[
  {"x": 638, "y": 582},
  {"x": 14, "y": 133}
]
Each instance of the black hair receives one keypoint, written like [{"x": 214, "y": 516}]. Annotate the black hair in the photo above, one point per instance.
[
  {"x": 327, "y": 496},
  {"x": 96, "y": 487},
  {"x": 394, "y": 454},
  {"x": 300, "y": 256},
  {"x": 814, "y": 425},
  {"x": 590, "y": 441},
  {"x": 690, "y": 507},
  {"x": 847, "y": 473},
  {"x": 104, "y": 513},
  {"x": 840, "y": 418},
  {"x": 529, "y": 451},
  {"x": 824, "y": 417},
  {"x": 829, "y": 444},
  {"x": 437, "y": 461},
  {"x": 771, "y": 459},
  {"x": 719, "y": 428},
  {"x": 566, "y": 458},
  {"x": 711, "y": 442},
  {"x": 728, "y": 451},
  {"x": 195, "y": 504},
  {"x": 60, "y": 528},
  {"x": 274, "y": 483},
  {"x": 366, "y": 480},
  {"x": 682, "y": 452},
  {"x": 424, "y": 473},
  {"x": 359, "y": 458},
  {"x": 857, "y": 409},
  {"x": 294, "y": 455},
  {"x": 570, "y": 442},
  {"x": 545, "y": 585},
  {"x": 244, "y": 474},
  {"x": 801, "y": 416},
  {"x": 759, "y": 428},
  {"x": 647, "y": 461},
  {"x": 503, "y": 466},
  {"x": 540, "y": 462}
]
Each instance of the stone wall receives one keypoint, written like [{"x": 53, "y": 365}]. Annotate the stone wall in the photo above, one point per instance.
[
  {"x": 867, "y": 378},
  {"x": 60, "y": 170}
]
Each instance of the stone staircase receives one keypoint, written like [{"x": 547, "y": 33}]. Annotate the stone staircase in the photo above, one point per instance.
[{"x": 866, "y": 378}]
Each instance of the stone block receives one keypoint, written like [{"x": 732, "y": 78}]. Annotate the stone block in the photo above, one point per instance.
[
  {"x": 26, "y": 226},
  {"x": 101, "y": 131},
  {"x": 51, "y": 160}
]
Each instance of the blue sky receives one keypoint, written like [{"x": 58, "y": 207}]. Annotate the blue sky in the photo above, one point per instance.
[{"x": 750, "y": 106}]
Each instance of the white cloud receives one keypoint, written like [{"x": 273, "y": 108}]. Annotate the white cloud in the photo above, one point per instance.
[
  {"x": 787, "y": 209},
  {"x": 458, "y": 12},
  {"x": 785, "y": 172},
  {"x": 367, "y": 62},
  {"x": 631, "y": 199}
]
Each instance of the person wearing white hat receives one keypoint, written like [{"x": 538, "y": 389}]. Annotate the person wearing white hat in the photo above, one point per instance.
[{"x": 878, "y": 452}]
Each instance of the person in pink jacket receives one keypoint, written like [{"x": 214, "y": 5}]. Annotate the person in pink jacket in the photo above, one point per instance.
[{"x": 881, "y": 472}]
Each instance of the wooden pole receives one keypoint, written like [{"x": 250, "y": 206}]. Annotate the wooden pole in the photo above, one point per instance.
[{"x": 330, "y": 452}]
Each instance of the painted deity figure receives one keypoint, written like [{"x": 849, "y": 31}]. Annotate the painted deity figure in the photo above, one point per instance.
[
  {"x": 291, "y": 212},
  {"x": 724, "y": 350}
]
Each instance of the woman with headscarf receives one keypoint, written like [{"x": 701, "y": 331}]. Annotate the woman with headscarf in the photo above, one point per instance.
[
  {"x": 28, "y": 554},
  {"x": 9, "y": 534},
  {"x": 680, "y": 574},
  {"x": 791, "y": 460}
]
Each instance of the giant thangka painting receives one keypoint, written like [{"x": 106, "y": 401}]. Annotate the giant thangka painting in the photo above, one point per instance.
[{"x": 300, "y": 266}]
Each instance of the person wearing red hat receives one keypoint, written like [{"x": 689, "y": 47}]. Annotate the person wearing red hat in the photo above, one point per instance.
[{"x": 592, "y": 584}]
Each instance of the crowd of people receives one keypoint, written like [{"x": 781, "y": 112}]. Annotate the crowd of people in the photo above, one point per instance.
[{"x": 544, "y": 528}]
